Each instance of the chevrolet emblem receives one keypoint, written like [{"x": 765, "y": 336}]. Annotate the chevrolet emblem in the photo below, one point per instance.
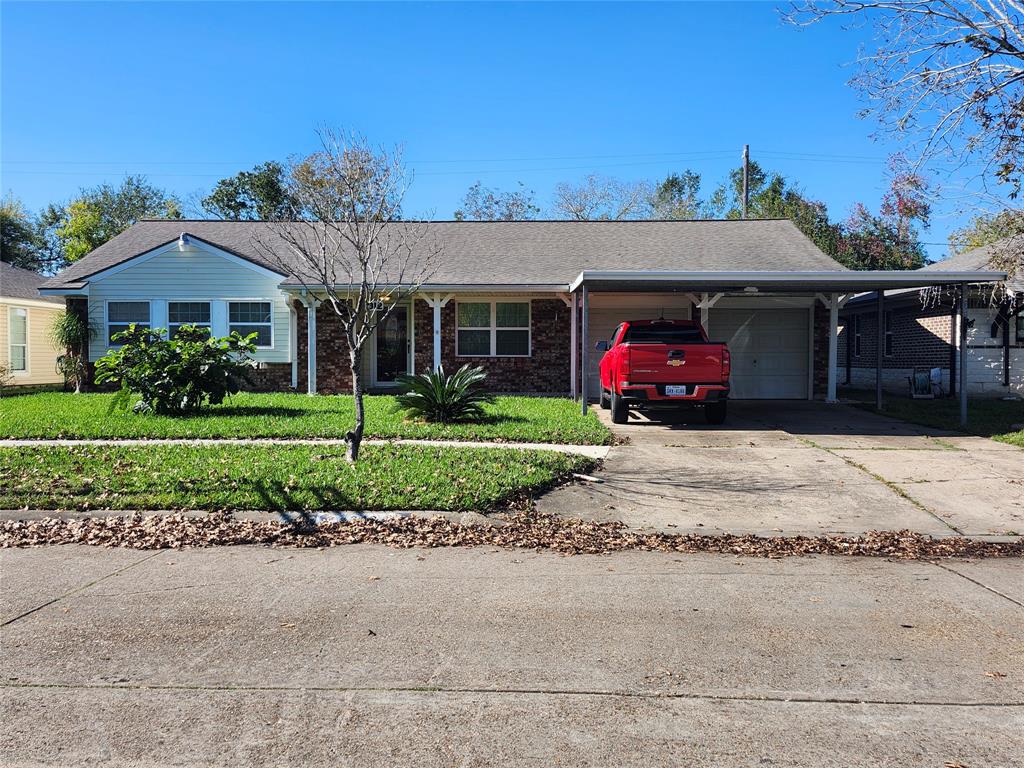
[{"x": 676, "y": 363}]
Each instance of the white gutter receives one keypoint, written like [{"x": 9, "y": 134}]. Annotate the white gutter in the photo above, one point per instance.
[
  {"x": 83, "y": 291},
  {"x": 455, "y": 287},
  {"x": 874, "y": 278}
]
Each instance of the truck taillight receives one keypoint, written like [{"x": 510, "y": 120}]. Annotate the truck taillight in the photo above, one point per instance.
[{"x": 726, "y": 364}]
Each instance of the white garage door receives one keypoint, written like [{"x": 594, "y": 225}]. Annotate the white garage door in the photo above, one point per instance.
[
  {"x": 769, "y": 351},
  {"x": 604, "y": 320}
]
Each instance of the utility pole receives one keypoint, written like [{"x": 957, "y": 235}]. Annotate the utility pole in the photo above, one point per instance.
[{"x": 746, "y": 178}]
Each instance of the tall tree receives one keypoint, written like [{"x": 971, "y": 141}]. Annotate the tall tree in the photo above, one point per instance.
[
  {"x": 346, "y": 242},
  {"x": 486, "y": 204},
  {"x": 250, "y": 195},
  {"x": 603, "y": 198},
  {"x": 889, "y": 239},
  {"x": 678, "y": 197},
  {"x": 19, "y": 240},
  {"x": 1004, "y": 230},
  {"x": 945, "y": 74},
  {"x": 102, "y": 212}
]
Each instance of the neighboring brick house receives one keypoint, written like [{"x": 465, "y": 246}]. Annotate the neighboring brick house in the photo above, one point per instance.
[
  {"x": 921, "y": 332},
  {"x": 527, "y": 301}
]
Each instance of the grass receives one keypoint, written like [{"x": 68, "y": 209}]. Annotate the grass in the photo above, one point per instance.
[
  {"x": 510, "y": 419},
  {"x": 277, "y": 477},
  {"x": 985, "y": 416}
]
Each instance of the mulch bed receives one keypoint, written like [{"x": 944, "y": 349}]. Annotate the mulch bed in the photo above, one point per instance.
[{"x": 525, "y": 529}]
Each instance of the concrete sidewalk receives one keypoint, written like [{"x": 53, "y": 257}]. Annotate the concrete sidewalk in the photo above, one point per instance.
[{"x": 365, "y": 655}]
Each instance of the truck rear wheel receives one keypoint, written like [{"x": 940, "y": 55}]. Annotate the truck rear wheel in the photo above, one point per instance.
[
  {"x": 715, "y": 412},
  {"x": 604, "y": 402},
  {"x": 620, "y": 411}
]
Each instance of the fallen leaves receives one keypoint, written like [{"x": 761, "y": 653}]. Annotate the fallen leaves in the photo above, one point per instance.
[{"x": 522, "y": 529}]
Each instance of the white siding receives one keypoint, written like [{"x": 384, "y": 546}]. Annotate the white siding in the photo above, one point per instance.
[{"x": 196, "y": 275}]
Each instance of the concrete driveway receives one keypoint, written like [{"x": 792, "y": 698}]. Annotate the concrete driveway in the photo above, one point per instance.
[
  {"x": 365, "y": 655},
  {"x": 801, "y": 468}
]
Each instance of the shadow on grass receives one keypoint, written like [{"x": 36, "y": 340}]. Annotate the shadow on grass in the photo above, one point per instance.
[{"x": 261, "y": 410}]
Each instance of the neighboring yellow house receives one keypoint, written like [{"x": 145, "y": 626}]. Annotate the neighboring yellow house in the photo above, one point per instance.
[{"x": 26, "y": 353}]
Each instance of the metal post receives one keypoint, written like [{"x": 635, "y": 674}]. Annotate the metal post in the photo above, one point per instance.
[
  {"x": 963, "y": 355},
  {"x": 880, "y": 351},
  {"x": 833, "y": 347},
  {"x": 746, "y": 178},
  {"x": 583, "y": 350},
  {"x": 436, "y": 305},
  {"x": 311, "y": 345},
  {"x": 573, "y": 346}
]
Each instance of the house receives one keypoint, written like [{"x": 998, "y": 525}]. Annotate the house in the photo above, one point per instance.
[
  {"x": 525, "y": 300},
  {"x": 25, "y": 322},
  {"x": 921, "y": 331}
]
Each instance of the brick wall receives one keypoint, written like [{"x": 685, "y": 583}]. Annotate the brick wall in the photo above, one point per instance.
[
  {"x": 820, "y": 356},
  {"x": 546, "y": 371},
  {"x": 920, "y": 338},
  {"x": 333, "y": 371},
  {"x": 271, "y": 377}
]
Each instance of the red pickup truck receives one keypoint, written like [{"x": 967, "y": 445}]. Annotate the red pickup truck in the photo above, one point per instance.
[{"x": 664, "y": 363}]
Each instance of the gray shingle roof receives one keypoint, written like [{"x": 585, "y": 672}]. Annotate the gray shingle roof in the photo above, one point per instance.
[
  {"x": 17, "y": 283},
  {"x": 979, "y": 258},
  {"x": 523, "y": 252}
]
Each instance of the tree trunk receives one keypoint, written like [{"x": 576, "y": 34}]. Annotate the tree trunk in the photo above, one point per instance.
[{"x": 355, "y": 437}]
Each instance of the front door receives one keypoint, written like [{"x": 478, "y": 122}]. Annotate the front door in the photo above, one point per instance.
[{"x": 391, "y": 357}]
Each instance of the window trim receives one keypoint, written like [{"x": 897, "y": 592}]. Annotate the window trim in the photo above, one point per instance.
[
  {"x": 228, "y": 302},
  {"x": 10, "y": 341},
  {"x": 208, "y": 302},
  {"x": 494, "y": 328},
  {"x": 106, "y": 317}
]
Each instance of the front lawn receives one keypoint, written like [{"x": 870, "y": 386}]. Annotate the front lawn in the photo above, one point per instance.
[
  {"x": 285, "y": 477},
  {"x": 987, "y": 417},
  {"x": 510, "y": 419}
]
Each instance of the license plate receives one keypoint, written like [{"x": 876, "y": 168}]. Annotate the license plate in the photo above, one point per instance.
[{"x": 675, "y": 391}]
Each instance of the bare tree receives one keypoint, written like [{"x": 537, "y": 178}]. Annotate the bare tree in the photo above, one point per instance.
[
  {"x": 604, "y": 198},
  {"x": 486, "y": 204},
  {"x": 946, "y": 74},
  {"x": 346, "y": 243}
]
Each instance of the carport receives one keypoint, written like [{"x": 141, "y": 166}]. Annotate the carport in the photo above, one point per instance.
[{"x": 767, "y": 317}]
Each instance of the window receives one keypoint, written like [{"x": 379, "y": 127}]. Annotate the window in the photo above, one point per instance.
[
  {"x": 856, "y": 335},
  {"x": 18, "y": 333},
  {"x": 493, "y": 329},
  {"x": 665, "y": 333},
  {"x": 122, "y": 314},
  {"x": 181, "y": 313},
  {"x": 1020, "y": 329},
  {"x": 245, "y": 317},
  {"x": 888, "y": 334}
]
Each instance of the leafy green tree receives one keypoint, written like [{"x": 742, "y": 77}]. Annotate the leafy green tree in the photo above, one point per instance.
[
  {"x": 987, "y": 229},
  {"x": 485, "y": 204},
  {"x": 19, "y": 241},
  {"x": 678, "y": 197},
  {"x": 259, "y": 194},
  {"x": 103, "y": 212}
]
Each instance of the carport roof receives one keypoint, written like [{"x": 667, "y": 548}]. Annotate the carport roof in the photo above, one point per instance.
[{"x": 819, "y": 281}]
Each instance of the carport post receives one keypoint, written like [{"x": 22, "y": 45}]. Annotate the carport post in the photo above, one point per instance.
[
  {"x": 963, "y": 356},
  {"x": 574, "y": 347},
  {"x": 583, "y": 350},
  {"x": 833, "y": 345},
  {"x": 880, "y": 351}
]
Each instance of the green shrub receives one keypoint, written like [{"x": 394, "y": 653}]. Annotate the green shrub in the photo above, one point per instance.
[
  {"x": 175, "y": 376},
  {"x": 436, "y": 396}
]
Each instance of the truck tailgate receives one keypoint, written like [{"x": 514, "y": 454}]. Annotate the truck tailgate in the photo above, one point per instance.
[{"x": 675, "y": 364}]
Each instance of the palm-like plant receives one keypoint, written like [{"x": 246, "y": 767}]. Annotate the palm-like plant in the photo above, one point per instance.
[
  {"x": 438, "y": 396},
  {"x": 72, "y": 333}
]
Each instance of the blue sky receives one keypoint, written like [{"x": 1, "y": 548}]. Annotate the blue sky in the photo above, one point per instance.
[{"x": 540, "y": 92}]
